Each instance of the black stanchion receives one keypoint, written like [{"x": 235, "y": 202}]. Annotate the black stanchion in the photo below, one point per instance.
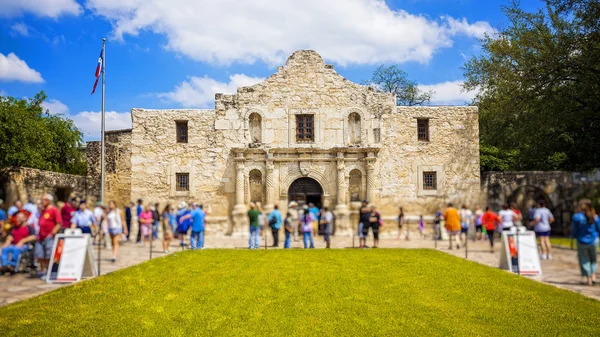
[
  {"x": 151, "y": 239},
  {"x": 265, "y": 240},
  {"x": 518, "y": 252},
  {"x": 435, "y": 235},
  {"x": 467, "y": 245}
]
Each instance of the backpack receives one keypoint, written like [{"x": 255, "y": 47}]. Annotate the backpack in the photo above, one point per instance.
[{"x": 272, "y": 221}]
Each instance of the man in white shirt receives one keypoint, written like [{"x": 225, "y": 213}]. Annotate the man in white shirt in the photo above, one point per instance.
[
  {"x": 508, "y": 217},
  {"x": 542, "y": 218},
  {"x": 466, "y": 219}
]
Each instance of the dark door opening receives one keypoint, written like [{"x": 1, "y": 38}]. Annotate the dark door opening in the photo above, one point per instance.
[
  {"x": 63, "y": 193},
  {"x": 305, "y": 191}
]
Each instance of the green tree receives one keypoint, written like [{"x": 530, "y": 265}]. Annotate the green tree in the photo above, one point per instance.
[
  {"x": 393, "y": 80},
  {"x": 539, "y": 82},
  {"x": 31, "y": 137}
]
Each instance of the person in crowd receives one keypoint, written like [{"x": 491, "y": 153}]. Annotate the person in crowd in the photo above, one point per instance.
[
  {"x": 166, "y": 227},
  {"x": 363, "y": 221},
  {"x": 327, "y": 219},
  {"x": 306, "y": 220},
  {"x": 453, "y": 226},
  {"x": 128, "y": 218},
  {"x": 478, "y": 224},
  {"x": 116, "y": 227},
  {"x": 197, "y": 215},
  {"x": 12, "y": 210},
  {"x": 138, "y": 210},
  {"x": 275, "y": 224},
  {"x": 16, "y": 244},
  {"x": 315, "y": 212},
  {"x": 586, "y": 229},
  {"x": 400, "y": 222},
  {"x": 67, "y": 212},
  {"x": 100, "y": 229},
  {"x": 83, "y": 219},
  {"x": 421, "y": 226},
  {"x": 253, "y": 220},
  {"x": 437, "y": 225},
  {"x": 173, "y": 221},
  {"x": 289, "y": 229},
  {"x": 542, "y": 219},
  {"x": 374, "y": 222},
  {"x": 50, "y": 223},
  {"x": 262, "y": 218},
  {"x": 490, "y": 220},
  {"x": 466, "y": 219},
  {"x": 155, "y": 220},
  {"x": 508, "y": 217},
  {"x": 293, "y": 211},
  {"x": 518, "y": 216},
  {"x": 146, "y": 222},
  {"x": 3, "y": 219},
  {"x": 184, "y": 226}
]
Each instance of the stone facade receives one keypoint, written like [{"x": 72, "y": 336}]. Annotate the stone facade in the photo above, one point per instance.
[{"x": 249, "y": 149}]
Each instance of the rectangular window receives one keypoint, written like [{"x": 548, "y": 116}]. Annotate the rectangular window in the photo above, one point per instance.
[
  {"x": 430, "y": 181},
  {"x": 182, "y": 131},
  {"x": 305, "y": 128},
  {"x": 423, "y": 129},
  {"x": 182, "y": 181}
]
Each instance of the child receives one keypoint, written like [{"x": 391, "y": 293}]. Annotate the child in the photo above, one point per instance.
[{"x": 421, "y": 226}]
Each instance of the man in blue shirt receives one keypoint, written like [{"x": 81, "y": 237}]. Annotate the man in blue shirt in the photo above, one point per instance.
[
  {"x": 197, "y": 215},
  {"x": 275, "y": 224},
  {"x": 139, "y": 211}
]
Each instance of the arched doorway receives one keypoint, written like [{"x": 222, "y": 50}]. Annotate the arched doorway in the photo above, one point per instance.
[{"x": 306, "y": 190}]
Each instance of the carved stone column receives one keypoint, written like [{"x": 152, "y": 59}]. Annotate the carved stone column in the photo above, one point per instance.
[
  {"x": 341, "y": 209},
  {"x": 239, "y": 210},
  {"x": 270, "y": 182},
  {"x": 371, "y": 186}
]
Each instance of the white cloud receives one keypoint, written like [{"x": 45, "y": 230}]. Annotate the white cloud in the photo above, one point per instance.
[
  {"x": 47, "y": 8},
  {"x": 55, "y": 107},
  {"x": 20, "y": 28},
  {"x": 12, "y": 68},
  {"x": 200, "y": 91},
  {"x": 89, "y": 122},
  {"x": 449, "y": 93},
  {"x": 342, "y": 31}
]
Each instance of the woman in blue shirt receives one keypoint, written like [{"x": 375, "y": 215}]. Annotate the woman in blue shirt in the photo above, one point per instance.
[{"x": 586, "y": 228}]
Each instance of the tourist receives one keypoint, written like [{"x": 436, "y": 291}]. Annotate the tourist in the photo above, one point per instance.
[
  {"x": 173, "y": 220},
  {"x": 50, "y": 223},
  {"x": 275, "y": 224},
  {"x": 184, "y": 226},
  {"x": 508, "y": 217},
  {"x": 145, "y": 220},
  {"x": 262, "y": 218},
  {"x": 373, "y": 220},
  {"x": 197, "y": 237},
  {"x": 293, "y": 211},
  {"x": 363, "y": 220},
  {"x": 115, "y": 227},
  {"x": 542, "y": 219},
  {"x": 453, "y": 226},
  {"x": 400, "y": 222},
  {"x": 327, "y": 220},
  {"x": 138, "y": 210},
  {"x": 437, "y": 224},
  {"x": 288, "y": 228},
  {"x": 166, "y": 227},
  {"x": 315, "y": 212},
  {"x": 128, "y": 217},
  {"x": 466, "y": 219},
  {"x": 421, "y": 226},
  {"x": 12, "y": 210},
  {"x": 100, "y": 229},
  {"x": 586, "y": 229},
  {"x": 253, "y": 220},
  {"x": 155, "y": 220},
  {"x": 489, "y": 221},
  {"x": 67, "y": 212},
  {"x": 83, "y": 219},
  {"x": 3, "y": 218},
  {"x": 478, "y": 224},
  {"x": 16, "y": 244},
  {"x": 306, "y": 220},
  {"x": 518, "y": 216}
]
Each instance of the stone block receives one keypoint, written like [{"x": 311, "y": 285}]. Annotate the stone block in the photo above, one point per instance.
[{"x": 222, "y": 124}]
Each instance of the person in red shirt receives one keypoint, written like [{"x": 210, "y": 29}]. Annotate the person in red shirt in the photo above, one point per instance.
[
  {"x": 16, "y": 243},
  {"x": 50, "y": 223},
  {"x": 490, "y": 220},
  {"x": 68, "y": 211}
]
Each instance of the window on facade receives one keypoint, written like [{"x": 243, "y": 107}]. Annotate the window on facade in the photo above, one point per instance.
[
  {"x": 429, "y": 181},
  {"x": 354, "y": 128},
  {"x": 182, "y": 131},
  {"x": 182, "y": 181},
  {"x": 377, "y": 135},
  {"x": 256, "y": 186},
  {"x": 355, "y": 185},
  {"x": 305, "y": 128},
  {"x": 255, "y": 123},
  {"x": 423, "y": 129}
]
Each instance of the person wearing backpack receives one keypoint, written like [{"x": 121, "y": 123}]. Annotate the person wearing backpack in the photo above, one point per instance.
[
  {"x": 586, "y": 229},
  {"x": 182, "y": 226},
  {"x": 275, "y": 224}
]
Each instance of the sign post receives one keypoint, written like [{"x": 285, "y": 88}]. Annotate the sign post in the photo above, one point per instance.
[
  {"x": 519, "y": 253},
  {"x": 72, "y": 257}
]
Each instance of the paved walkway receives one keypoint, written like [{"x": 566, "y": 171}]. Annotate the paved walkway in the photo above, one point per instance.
[{"x": 562, "y": 271}]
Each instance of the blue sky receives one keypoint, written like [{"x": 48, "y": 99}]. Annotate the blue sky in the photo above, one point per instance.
[{"x": 177, "y": 53}]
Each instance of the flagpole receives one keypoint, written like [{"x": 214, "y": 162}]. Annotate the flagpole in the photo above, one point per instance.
[{"x": 102, "y": 123}]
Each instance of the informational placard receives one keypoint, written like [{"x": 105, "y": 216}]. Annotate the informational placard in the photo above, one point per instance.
[
  {"x": 519, "y": 253},
  {"x": 72, "y": 257}
]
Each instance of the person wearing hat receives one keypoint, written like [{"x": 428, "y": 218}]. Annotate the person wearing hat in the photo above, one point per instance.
[{"x": 83, "y": 219}]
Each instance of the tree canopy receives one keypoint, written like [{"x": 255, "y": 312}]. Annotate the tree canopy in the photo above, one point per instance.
[
  {"x": 31, "y": 137},
  {"x": 393, "y": 80},
  {"x": 539, "y": 82}
]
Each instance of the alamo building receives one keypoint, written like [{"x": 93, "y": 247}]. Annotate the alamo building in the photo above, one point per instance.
[{"x": 304, "y": 134}]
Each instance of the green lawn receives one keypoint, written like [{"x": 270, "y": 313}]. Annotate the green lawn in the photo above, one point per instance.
[
  {"x": 305, "y": 293},
  {"x": 563, "y": 242}
]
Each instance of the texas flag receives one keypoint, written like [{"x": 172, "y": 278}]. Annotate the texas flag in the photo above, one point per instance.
[{"x": 99, "y": 69}]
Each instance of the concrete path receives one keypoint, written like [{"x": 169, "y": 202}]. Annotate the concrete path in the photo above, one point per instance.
[{"x": 562, "y": 271}]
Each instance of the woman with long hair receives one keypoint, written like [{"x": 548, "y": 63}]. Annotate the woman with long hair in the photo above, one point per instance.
[
  {"x": 166, "y": 227},
  {"x": 146, "y": 224},
  {"x": 586, "y": 229},
  {"x": 115, "y": 226}
]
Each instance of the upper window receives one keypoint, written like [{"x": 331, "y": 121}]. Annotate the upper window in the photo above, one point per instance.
[
  {"x": 305, "y": 128},
  {"x": 354, "y": 128},
  {"x": 423, "y": 129},
  {"x": 255, "y": 123},
  {"x": 182, "y": 131},
  {"x": 429, "y": 181},
  {"x": 182, "y": 181}
]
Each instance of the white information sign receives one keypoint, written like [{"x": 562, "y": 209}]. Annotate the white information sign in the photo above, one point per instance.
[
  {"x": 519, "y": 253},
  {"x": 71, "y": 256}
]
